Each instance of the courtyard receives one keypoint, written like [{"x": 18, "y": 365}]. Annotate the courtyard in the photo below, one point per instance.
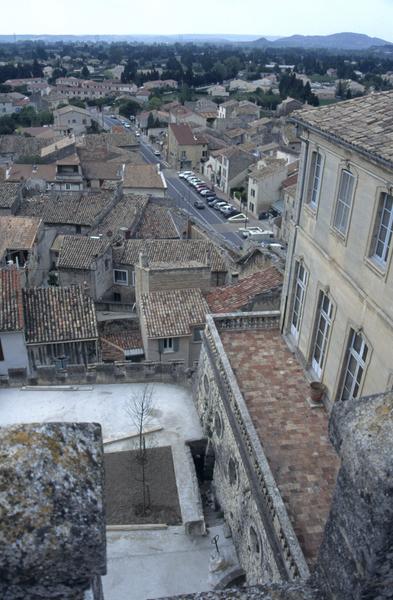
[{"x": 145, "y": 560}]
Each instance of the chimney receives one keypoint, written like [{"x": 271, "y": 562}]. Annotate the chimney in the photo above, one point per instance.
[{"x": 143, "y": 260}]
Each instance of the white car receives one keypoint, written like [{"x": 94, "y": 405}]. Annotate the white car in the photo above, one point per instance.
[
  {"x": 138, "y": 134},
  {"x": 184, "y": 174}
]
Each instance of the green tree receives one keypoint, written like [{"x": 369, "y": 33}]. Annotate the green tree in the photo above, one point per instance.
[
  {"x": 85, "y": 73},
  {"x": 150, "y": 121}
]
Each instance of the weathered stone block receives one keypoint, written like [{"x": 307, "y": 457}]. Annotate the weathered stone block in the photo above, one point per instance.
[
  {"x": 52, "y": 528},
  {"x": 356, "y": 557}
]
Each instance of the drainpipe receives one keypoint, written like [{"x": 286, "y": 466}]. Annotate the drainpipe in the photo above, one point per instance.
[{"x": 299, "y": 210}]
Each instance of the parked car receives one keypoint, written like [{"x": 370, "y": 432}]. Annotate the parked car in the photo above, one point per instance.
[
  {"x": 157, "y": 153},
  {"x": 274, "y": 212},
  {"x": 213, "y": 201},
  {"x": 231, "y": 213},
  {"x": 210, "y": 196},
  {"x": 220, "y": 204},
  {"x": 184, "y": 174},
  {"x": 225, "y": 209},
  {"x": 264, "y": 215},
  {"x": 206, "y": 192},
  {"x": 138, "y": 134},
  {"x": 199, "y": 204}
]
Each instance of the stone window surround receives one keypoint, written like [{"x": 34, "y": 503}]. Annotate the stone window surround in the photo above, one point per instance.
[
  {"x": 351, "y": 327},
  {"x": 320, "y": 289},
  {"x": 375, "y": 264},
  {"x": 120, "y": 281},
  {"x": 313, "y": 206},
  {"x": 345, "y": 165}
]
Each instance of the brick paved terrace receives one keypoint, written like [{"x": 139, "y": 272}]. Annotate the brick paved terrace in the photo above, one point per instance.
[{"x": 293, "y": 435}]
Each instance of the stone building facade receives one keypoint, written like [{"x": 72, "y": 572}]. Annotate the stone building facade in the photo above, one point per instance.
[{"x": 337, "y": 301}]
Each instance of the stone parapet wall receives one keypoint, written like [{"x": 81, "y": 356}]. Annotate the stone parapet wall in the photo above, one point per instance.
[
  {"x": 267, "y": 546},
  {"x": 100, "y": 373}
]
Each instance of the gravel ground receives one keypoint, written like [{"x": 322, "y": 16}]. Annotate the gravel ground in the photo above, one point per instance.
[{"x": 124, "y": 491}]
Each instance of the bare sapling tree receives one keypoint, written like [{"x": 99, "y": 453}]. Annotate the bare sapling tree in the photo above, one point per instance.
[{"x": 140, "y": 410}]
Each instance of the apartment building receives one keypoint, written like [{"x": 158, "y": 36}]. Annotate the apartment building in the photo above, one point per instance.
[{"x": 338, "y": 293}]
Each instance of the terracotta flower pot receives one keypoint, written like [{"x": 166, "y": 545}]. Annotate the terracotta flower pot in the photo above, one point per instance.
[{"x": 317, "y": 390}]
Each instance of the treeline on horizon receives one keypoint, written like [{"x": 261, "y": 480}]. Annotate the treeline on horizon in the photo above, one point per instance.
[{"x": 192, "y": 65}]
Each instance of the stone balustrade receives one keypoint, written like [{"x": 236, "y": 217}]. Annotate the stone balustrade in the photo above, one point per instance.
[{"x": 257, "y": 465}]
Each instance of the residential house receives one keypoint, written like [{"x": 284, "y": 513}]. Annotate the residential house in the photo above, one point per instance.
[
  {"x": 171, "y": 323},
  {"x": 13, "y": 352},
  {"x": 64, "y": 174},
  {"x": 288, "y": 217},
  {"x": 228, "y": 168},
  {"x": 287, "y": 106},
  {"x": 225, "y": 110},
  {"x": 236, "y": 135},
  {"x": 168, "y": 264},
  {"x": 160, "y": 84},
  {"x": 10, "y": 197},
  {"x": 337, "y": 301},
  {"x": 24, "y": 243},
  {"x": 185, "y": 150},
  {"x": 144, "y": 179},
  {"x": 24, "y": 81},
  {"x": 217, "y": 91},
  {"x": 71, "y": 212},
  {"x": 72, "y": 119},
  {"x": 6, "y": 105},
  {"x": 258, "y": 291},
  {"x": 60, "y": 327},
  {"x": 87, "y": 262},
  {"x": 15, "y": 147},
  {"x": 122, "y": 346},
  {"x": 240, "y": 85},
  {"x": 264, "y": 182},
  {"x": 160, "y": 222},
  {"x": 181, "y": 114}
]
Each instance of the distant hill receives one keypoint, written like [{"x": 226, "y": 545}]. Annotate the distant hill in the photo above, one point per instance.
[
  {"x": 342, "y": 41},
  {"x": 146, "y": 38}
]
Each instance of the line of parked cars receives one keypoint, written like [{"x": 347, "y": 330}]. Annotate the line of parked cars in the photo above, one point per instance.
[{"x": 208, "y": 195}]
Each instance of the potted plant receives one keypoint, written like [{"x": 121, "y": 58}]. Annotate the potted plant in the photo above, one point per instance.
[{"x": 317, "y": 389}]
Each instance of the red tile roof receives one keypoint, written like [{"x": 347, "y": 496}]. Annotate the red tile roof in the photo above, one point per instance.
[
  {"x": 231, "y": 298},
  {"x": 294, "y": 436},
  {"x": 11, "y": 308},
  {"x": 185, "y": 136}
]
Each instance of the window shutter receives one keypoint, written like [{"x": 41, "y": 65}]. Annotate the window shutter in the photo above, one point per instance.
[
  {"x": 176, "y": 344},
  {"x": 160, "y": 346}
]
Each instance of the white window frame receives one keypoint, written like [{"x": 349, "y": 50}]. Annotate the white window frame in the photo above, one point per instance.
[
  {"x": 343, "y": 207},
  {"x": 323, "y": 323},
  {"x": 167, "y": 345},
  {"x": 355, "y": 364},
  {"x": 299, "y": 294},
  {"x": 120, "y": 271},
  {"x": 383, "y": 230},
  {"x": 315, "y": 179}
]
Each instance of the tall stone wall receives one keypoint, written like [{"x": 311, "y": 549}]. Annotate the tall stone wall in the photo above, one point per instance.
[
  {"x": 100, "y": 373},
  {"x": 266, "y": 544},
  {"x": 356, "y": 556}
]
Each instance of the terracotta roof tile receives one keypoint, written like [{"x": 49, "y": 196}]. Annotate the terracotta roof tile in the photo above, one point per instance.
[
  {"x": 17, "y": 233},
  {"x": 173, "y": 313},
  {"x": 157, "y": 223},
  {"x": 170, "y": 251},
  {"x": 11, "y": 309},
  {"x": 143, "y": 176},
  {"x": 365, "y": 123},
  {"x": 58, "y": 315},
  {"x": 9, "y": 193},
  {"x": 76, "y": 208},
  {"x": 234, "y": 297},
  {"x": 79, "y": 252}
]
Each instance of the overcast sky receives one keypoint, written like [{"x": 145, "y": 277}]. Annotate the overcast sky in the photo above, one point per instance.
[{"x": 259, "y": 17}]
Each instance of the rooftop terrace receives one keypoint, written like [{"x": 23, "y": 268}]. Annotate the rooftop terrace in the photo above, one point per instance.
[{"x": 293, "y": 435}]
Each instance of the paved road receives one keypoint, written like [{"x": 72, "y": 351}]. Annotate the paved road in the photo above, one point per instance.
[{"x": 185, "y": 196}]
